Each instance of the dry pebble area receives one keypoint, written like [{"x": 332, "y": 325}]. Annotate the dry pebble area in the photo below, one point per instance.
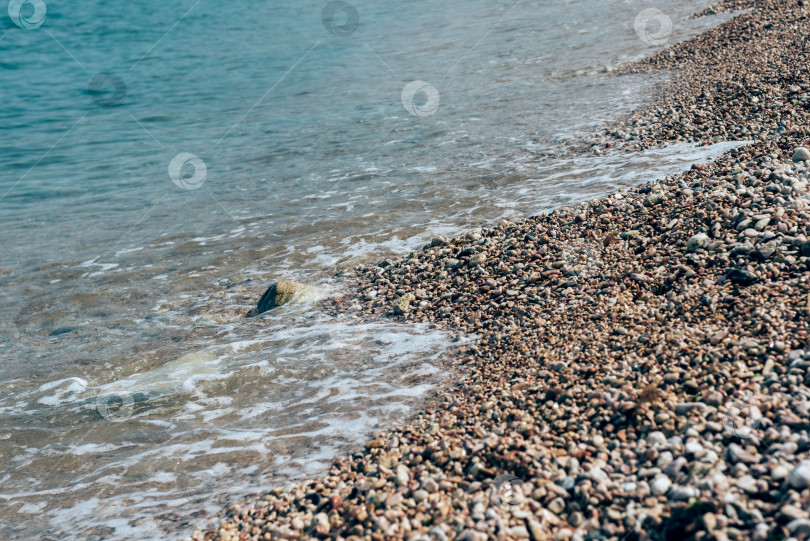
[
  {"x": 641, "y": 362},
  {"x": 748, "y": 79}
]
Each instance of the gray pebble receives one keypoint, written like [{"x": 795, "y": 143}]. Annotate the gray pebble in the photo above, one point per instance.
[
  {"x": 801, "y": 154},
  {"x": 695, "y": 242},
  {"x": 800, "y": 476},
  {"x": 683, "y": 493}
]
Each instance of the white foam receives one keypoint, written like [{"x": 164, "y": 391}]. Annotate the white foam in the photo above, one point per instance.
[
  {"x": 89, "y": 448},
  {"x": 182, "y": 373},
  {"x": 92, "y": 263},
  {"x": 32, "y": 508},
  {"x": 129, "y": 250},
  {"x": 66, "y": 390}
]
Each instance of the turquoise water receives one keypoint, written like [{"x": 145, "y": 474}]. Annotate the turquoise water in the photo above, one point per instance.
[{"x": 131, "y": 386}]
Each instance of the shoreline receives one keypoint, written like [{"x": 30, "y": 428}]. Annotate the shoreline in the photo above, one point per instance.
[{"x": 641, "y": 362}]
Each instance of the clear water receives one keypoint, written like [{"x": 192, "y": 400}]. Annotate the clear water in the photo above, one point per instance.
[{"x": 134, "y": 397}]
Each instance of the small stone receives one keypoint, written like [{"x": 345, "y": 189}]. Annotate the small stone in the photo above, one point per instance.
[
  {"x": 569, "y": 483},
  {"x": 789, "y": 447},
  {"x": 653, "y": 199},
  {"x": 597, "y": 474},
  {"x": 393, "y": 500},
  {"x": 360, "y": 513},
  {"x": 321, "y": 523},
  {"x": 779, "y": 472},
  {"x": 800, "y": 476},
  {"x": 375, "y": 444},
  {"x": 715, "y": 398},
  {"x": 695, "y": 242},
  {"x": 576, "y": 518},
  {"x": 762, "y": 224},
  {"x": 801, "y": 154},
  {"x": 297, "y": 523},
  {"x": 767, "y": 250},
  {"x": 638, "y": 277},
  {"x": 556, "y": 506},
  {"x": 647, "y": 473},
  {"x": 747, "y": 483},
  {"x": 791, "y": 512},
  {"x": 695, "y": 449},
  {"x": 799, "y": 527},
  {"x": 681, "y": 493},
  {"x": 403, "y": 475},
  {"x": 738, "y": 454},
  {"x": 430, "y": 485},
  {"x": 713, "y": 426},
  {"x": 420, "y": 495},
  {"x": 403, "y": 304},
  {"x": 720, "y": 481},
  {"x": 683, "y": 408},
  {"x": 657, "y": 439},
  {"x": 674, "y": 468},
  {"x": 535, "y": 530},
  {"x": 477, "y": 260},
  {"x": 519, "y": 532},
  {"x": 741, "y": 276},
  {"x": 664, "y": 459},
  {"x": 660, "y": 485}
]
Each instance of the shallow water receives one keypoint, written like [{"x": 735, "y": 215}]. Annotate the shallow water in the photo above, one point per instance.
[{"x": 133, "y": 391}]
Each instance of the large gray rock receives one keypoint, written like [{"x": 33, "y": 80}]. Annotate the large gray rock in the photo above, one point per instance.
[{"x": 283, "y": 292}]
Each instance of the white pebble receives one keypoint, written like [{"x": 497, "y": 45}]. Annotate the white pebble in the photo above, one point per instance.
[
  {"x": 657, "y": 439},
  {"x": 661, "y": 485}
]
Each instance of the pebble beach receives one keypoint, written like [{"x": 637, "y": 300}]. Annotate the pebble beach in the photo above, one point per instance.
[{"x": 638, "y": 364}]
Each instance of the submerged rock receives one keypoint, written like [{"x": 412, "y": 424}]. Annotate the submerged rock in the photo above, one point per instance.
[{"x": 280, "y": 293}]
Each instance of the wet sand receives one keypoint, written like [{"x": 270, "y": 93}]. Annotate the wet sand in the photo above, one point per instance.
[{"x": 641, "y": 363}]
